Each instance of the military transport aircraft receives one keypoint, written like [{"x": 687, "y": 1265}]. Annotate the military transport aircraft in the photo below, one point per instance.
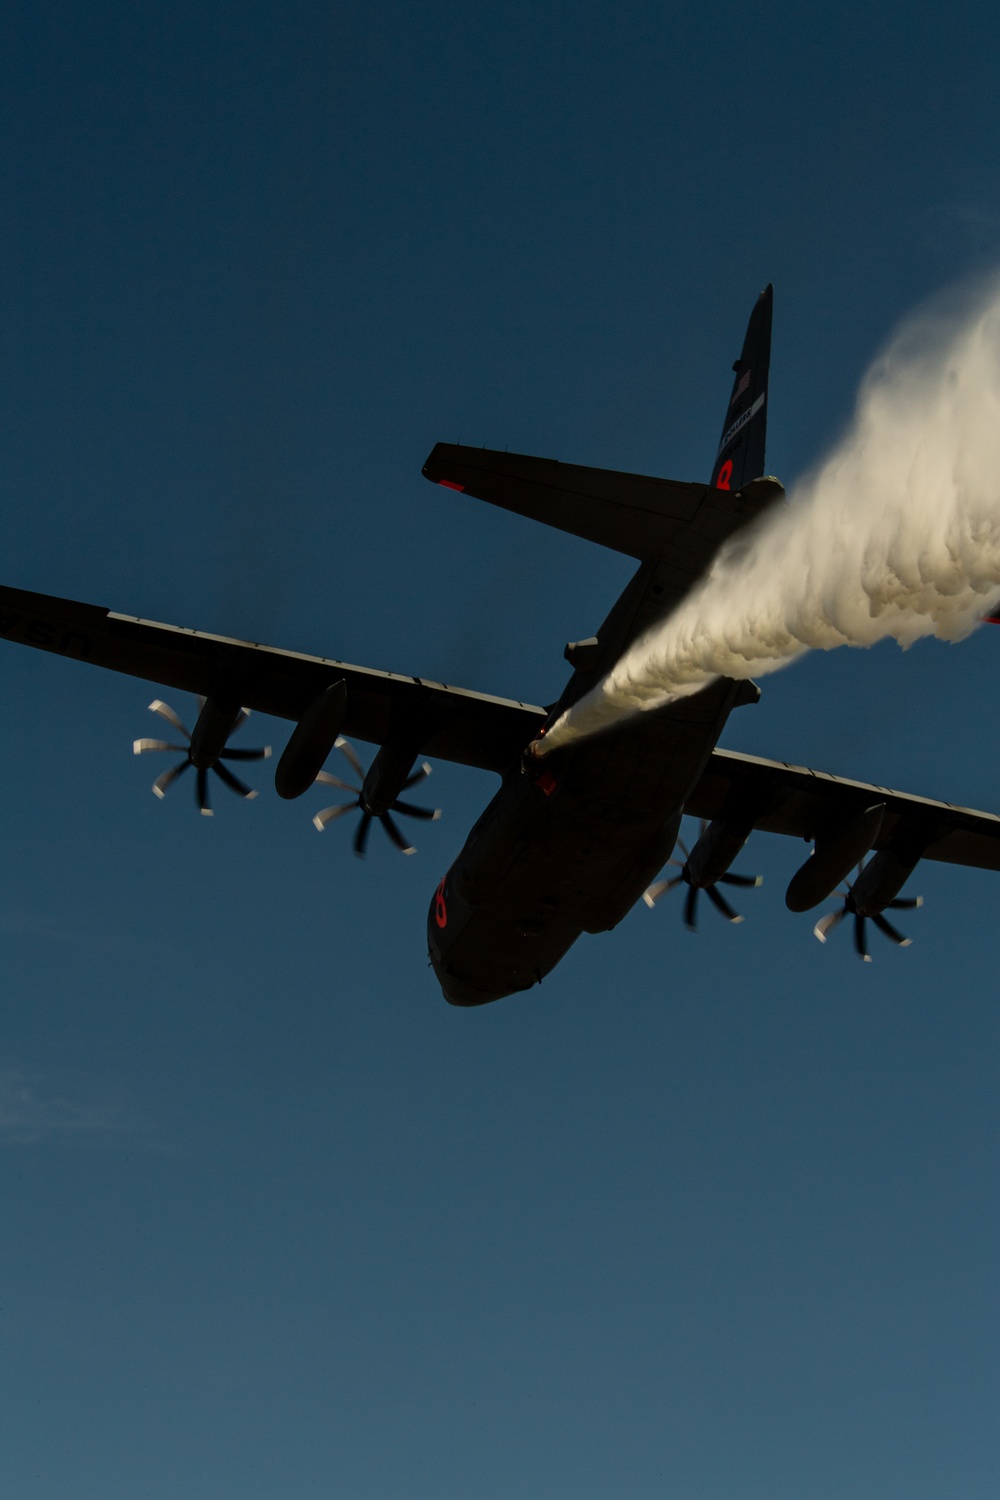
[{"x": 571, "y": 841}]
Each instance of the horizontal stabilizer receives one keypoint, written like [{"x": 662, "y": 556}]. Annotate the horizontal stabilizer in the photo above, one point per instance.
[{"x": 630, "y": 513}]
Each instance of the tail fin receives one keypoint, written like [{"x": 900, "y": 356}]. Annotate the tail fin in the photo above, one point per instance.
[{"x": 741, "y": 447}]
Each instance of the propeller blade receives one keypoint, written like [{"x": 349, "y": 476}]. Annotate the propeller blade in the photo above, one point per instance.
[
  {"x": 406, "y": 809},
  {"x": 166, "y": 712},
  {"x": 140, "y": 747},
  {"x": 884, "y": 925},
  {"x": 346, "y": 748},
  {"x": 690, "y": 907},
  {"x": 330, "y": 813},
  {"x": 906, "y": 903},
  {"x": 233, "y": 782},
  {"x": 660, "y": 889},
  {"x": 428, "y": 814},
  {"x": 860, "y": 942},
  {"x": 264, "y": 753},
  {"x": 361, "y": 837},
  {"x": 345, "y": 786},
  {"x": 167, "y": 778},
  {"x": 744, "y": 880},
  {"x": 201, "y": 794},
  {"x": 719, "y": 901},
  {"x": 826, "y": 924},
  {"x": 392, "y": 829},
  {"x": 241, "y": 719},
  {"x": 684, "y": 849}
]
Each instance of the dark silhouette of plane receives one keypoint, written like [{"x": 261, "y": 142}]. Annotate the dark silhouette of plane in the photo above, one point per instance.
[{"x": 571, "y": 841}]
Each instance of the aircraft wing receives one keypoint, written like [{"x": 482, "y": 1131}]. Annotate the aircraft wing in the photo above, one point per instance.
[
  {"x": 473, "y": 729},
  {"x": 796, "y": 801},
  {"x": 449, "y": 723}
]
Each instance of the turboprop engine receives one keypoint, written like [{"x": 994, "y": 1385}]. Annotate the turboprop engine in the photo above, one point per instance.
[
  {"x": 880, "y": 882},
  {"x": 875, "y": 891},
  {"x": 706, "y": 867},
  {"x": 376, "y": 794},
  {"x": 205, "y": 748}
]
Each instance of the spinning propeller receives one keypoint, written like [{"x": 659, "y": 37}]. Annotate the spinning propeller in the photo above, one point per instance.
[
  {"x": 826, "y": 924},
  {"x": 361, "y": 803},
  {"x": 714, "y": 895},
  {"x": 205, "y": 750}
]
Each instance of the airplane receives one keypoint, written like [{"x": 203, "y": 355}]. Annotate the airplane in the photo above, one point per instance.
[{"x": 572, "y": 839}]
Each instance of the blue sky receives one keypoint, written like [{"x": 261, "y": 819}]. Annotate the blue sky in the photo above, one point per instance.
[{"x": 703, "y": 1216}]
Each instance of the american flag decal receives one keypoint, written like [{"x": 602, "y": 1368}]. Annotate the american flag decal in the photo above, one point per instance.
[{"x": 741, "y": 386}]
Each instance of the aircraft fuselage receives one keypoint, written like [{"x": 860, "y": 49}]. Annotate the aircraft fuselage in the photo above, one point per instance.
[{"x": 569, "y": 843}]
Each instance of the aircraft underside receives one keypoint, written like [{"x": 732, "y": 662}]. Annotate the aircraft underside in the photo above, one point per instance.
[{"x": 567, "y": 847}]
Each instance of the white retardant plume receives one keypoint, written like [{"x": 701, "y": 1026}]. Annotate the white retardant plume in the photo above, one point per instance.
[{"x": 896, "y": 534}]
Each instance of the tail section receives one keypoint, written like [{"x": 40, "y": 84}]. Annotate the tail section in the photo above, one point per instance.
[{"x": 741, "y": 448}]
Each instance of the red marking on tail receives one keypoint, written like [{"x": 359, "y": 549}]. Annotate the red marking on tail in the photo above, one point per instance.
[{"x": 450, "y": 484}]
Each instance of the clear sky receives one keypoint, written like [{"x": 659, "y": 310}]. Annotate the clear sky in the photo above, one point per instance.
[{"x": 704, "y": 1216}]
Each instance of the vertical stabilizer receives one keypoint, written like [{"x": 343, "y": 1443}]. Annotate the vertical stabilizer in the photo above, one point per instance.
[{"x": 741, "y": 446}]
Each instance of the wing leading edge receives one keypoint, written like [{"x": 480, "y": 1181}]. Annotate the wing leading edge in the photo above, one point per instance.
[
  {"x": 473, "y": 729},
  {"x": 796, "y": 801}
]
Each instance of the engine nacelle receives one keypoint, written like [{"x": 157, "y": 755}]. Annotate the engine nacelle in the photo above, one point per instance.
[
  {"x": 834, "y": 856},
  {"x": 387, "y": 775},
  {"x": 311, "y": 741},
  {"x": 714, "y": 852},
  {"x": 880, "y": 882},
  {"x": 209, "y": 736}
]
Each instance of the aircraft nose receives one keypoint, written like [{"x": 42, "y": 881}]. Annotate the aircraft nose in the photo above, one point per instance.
[{"x": 460, "y": 992}]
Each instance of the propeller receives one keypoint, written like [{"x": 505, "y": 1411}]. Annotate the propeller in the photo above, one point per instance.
[
  {"x": 718, "y": 900},
  {"x": 341, "y": 809},
  {"x": 167, "y": 778},
  {"x": 826, "y": 924}
]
